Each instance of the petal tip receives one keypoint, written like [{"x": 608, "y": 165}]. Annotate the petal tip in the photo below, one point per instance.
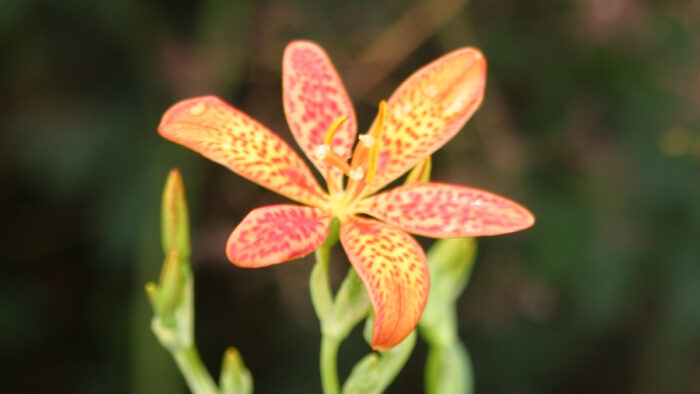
[
  {"x": 232, "y": 252},
  {"x": 193, "y": 104},
  {"x": 529, "y": 218},
  {"x": 394, "y": 269},
  {"x": 300, "y": 43}
]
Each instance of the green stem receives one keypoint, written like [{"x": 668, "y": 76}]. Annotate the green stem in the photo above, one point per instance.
[
  {"x": 194, "y": 371},
  {"x": 329, "y": 366},
  {"x": 319, "y": 284},
  {"x": 322, "y": 299}
]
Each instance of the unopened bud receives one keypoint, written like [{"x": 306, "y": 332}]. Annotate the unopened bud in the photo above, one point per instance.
[
  {"x": 174, "y": 218},
  {"x": 235, "y": 377},
  {"x": 171, "y": 285}
]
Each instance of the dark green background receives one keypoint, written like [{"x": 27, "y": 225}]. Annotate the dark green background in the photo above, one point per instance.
[{"x": 590, "y": 119}]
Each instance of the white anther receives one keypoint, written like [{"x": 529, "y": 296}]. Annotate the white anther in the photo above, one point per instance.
[
  {"x": 321, "y": 151},
  {"x": 357, "y": 173},
  {"x": 367, "y": 140}
]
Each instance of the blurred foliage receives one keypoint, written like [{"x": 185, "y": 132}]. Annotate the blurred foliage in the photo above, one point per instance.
[{"x": 590, "y": 119}]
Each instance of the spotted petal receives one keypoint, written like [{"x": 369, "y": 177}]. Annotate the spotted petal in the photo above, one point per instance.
[
  {"x": 427, "y": 110},
  {"x": 442, "y": 211},
  {"x": 277, "y": 233},
  {"x": 394, "y": 270},
  {"x": 314, "y": 96},
  {"x": 229, "y": 137}
]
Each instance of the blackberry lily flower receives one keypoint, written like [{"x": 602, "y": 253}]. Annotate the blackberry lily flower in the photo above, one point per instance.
[{"x": 428, "y": 109}]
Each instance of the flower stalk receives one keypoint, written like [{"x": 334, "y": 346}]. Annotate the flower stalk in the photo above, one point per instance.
[
  {"x": 337, "y": 315},
  {"x": 448, "y": 367},
  {"x": 172, "y": 299},
  {"x": 390, "y": 275}
]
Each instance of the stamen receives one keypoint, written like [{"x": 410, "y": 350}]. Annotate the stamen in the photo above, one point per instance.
[
  {"x": 356, "y": 173},
  {"x": 374, "y": 150},
  {"x": 321, "y": 151},
  {"x": 328, "y": 138},
  {"x": 367, "y": 140},
  {"x": 330, "y": 157},
  {"x": 364, "y": 158}
]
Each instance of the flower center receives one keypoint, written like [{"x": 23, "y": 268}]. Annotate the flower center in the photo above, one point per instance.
[{"x": 363, "y": 164}]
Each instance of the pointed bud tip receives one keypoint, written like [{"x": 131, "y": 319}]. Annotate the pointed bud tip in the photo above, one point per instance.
[
  {"x": 152, "y": 293},
  {"x": 171, "y": 283},
  {"x": 174, "y": 172},
  {"x": 174, "y": 218},
  {"x": 174, "y": 181},
  {"x": 233, "y": 355}
]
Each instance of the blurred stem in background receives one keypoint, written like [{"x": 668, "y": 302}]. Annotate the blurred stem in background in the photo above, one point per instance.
[
  {"x": 448, "y": 368},
  {"x": 172, "y": 299}
]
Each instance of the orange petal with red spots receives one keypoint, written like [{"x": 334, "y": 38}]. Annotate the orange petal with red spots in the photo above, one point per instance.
[
  {"x": 427, "y": 110},
  {"x": 314, "y": 96},
  {"x": 394, "y": 270},
  {"x": 443, "y": 211},
  {"x": 277, "y": 233},
  {"x": 229, "y": 137}
]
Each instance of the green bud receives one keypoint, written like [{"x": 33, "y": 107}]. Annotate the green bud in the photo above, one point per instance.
[
  {"x": 448, "y": 369},
  {"x": 171, "y": 285},
  {"x": 450, "y": 262},
  {"x": 152, "y": 294},
  {"x": 235, "y": 377},
  {"x": 174, "y": 219},
  {"x": 368, "y": 330},
  {"x": 374, "y": 373}
]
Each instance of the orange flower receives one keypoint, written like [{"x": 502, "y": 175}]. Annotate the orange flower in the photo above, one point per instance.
[{"x": 428, "y": 109}]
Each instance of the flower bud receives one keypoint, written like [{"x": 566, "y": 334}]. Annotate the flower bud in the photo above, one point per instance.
[
  {"x": 174, "y": 220},
  {"x": 235, "y": 377}
]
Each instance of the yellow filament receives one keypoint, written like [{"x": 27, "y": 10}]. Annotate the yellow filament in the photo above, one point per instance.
[
  {"x": 335, "y": 160},
  {"x": 374, "y": 150},
  {"x": 328, "y": 138},
  {"x": 334, "y": 184}
]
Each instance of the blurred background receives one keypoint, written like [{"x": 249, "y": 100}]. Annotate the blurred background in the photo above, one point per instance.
[{"x": 590, "y": 119}]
